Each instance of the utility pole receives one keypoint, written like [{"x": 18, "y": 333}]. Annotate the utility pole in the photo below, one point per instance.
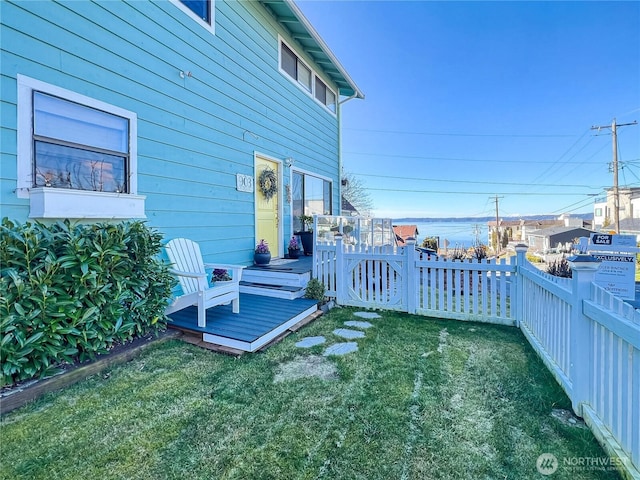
[
  {"x": 616, "y": 192},
  {"x": 497, "y": 227}
]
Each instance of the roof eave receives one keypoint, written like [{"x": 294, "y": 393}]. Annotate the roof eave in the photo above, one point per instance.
[{"x": 352, "y": 90}]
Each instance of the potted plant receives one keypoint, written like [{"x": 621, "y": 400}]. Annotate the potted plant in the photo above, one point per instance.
[
  {"x": 294, "y": 248},
  {"x": 262, "y": 254},
  {"x": 306, "y": 235},
  {"x": 220, "y": 275}
]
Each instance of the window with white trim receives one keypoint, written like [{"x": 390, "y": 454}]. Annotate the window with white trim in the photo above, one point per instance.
[
  {"x": 202, "y": 8},
  {"x": 77, "y": 156},
  {"x": 298, "y": 71},
  {"x": 202, "y": 11},
  {"x": 324, "y": 95},
  {"x": 78, "y": 147},
  {"x": 310, "y": 195}
]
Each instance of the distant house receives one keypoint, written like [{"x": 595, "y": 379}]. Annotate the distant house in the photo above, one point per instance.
[
  {"x": 630, "y": 226},
  {"x": 628, "y": 207},
  {"x": 214, "y": 120},
  {"x": 348, "y": 209},
  {"x": 402, "y": 232},
  {"x": 519, "y": 230},
  {"x": 555, "y": 237}
]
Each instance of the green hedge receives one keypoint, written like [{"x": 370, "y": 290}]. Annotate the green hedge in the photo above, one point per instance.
[{"x": 71, "y": 291}]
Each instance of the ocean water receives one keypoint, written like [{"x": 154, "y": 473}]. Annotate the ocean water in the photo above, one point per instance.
[{"x": 457, "y": 233}]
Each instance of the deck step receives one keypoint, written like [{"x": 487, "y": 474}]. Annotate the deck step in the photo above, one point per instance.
[{"x": 270, "y": 290}]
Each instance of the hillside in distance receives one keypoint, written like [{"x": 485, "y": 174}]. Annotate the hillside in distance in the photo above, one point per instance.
[{"x": 584, "y": 216}]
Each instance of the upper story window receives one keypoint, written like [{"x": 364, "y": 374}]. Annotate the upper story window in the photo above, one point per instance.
[
  {"x": 304, "y": 77},
  {"x": 324, "y": 95},
  {"x": 202, "y": 8},
  {"x": 77, "y": 156},
  {"x": 297, "y": 70}
]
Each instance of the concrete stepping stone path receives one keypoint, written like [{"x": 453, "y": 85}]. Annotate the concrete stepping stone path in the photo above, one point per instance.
[
  {"x": 346, "y": 333},
  {"x": 357, "y": 324},
  {"x": 309, "y": 342},
  {"x": 345, "y": 347},
  {"x": 341, "y": 349}
]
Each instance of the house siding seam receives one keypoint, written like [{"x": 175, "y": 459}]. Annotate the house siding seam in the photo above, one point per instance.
[{"x": 192, "y": 137}]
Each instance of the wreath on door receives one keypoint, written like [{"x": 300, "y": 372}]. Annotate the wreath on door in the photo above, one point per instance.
[{"x": 268, "y": 183}]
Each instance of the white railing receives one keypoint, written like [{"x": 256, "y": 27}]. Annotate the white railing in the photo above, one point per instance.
[
  {"x": 400, "y": 278},
  {"x": 588, "y": 339},
  {"x": 613, "y": 402},
  {"x": 477, "y": 290},
  {"x": 544, "y": 318}
]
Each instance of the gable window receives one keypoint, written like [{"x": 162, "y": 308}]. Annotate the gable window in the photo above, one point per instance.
[
  {"x": 77, "y": 156},
  {"x": 304, "y": 77},
  {"x": 310, "y": 195}
]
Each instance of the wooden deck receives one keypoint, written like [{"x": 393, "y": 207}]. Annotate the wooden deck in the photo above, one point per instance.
[{"x": 261, "y": 319}]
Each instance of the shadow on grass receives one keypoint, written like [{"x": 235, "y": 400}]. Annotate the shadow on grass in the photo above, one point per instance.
[{"x": 420, "y": 399}]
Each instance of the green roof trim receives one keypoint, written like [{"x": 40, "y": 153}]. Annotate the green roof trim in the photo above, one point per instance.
[{"x": 289, "y": 15}]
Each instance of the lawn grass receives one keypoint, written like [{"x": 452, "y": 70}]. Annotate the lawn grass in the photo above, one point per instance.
[{"x": 420, "y": 399}]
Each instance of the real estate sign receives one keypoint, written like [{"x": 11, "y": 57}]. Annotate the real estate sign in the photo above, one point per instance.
[{"x": 618, "y": 268}]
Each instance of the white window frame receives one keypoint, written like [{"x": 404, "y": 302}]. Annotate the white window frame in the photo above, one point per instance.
[
  {"x": 51, "y": 202},
  {"x": 310, "y": 173},
  {"x": 212, "y": 11},
  {"x": 314, "y": 74}
]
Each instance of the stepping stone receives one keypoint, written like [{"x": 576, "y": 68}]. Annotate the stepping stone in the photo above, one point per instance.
[
  {"x": 309, "y": 342},
  {"x": 341, "y": 349},
  {"x": 346, "y": 333},
  {"x": 357, "y": 324},
  {"x": 367, "y": 315}
]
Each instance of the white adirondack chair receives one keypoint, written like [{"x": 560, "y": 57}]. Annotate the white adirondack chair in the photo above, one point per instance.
[{"x": 189, "y": 267}]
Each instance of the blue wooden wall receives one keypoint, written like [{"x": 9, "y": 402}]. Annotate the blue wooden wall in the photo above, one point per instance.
[{"x": 191, "y": 140}]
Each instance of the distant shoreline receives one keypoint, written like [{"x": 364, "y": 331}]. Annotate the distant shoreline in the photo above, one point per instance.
[{"x": 584, "y": 216}]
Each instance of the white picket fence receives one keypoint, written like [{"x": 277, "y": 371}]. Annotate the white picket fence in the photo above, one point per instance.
[{"x": 589, "y": 339}]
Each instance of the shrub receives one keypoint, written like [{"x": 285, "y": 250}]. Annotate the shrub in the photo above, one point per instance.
[
  {"x": 534, "y": 258},
  {"x": 479, "y": 251},
  {"x": 70, "y": 292},
  {"x": 430, "y": 242},
  {"x": 315, "y": 290},
  {"x": 458, "y": 253},
  {"x": 560, "y": 268}
]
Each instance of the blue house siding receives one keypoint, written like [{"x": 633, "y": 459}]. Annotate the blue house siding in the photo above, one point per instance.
[{"x": 196, "y": 131}]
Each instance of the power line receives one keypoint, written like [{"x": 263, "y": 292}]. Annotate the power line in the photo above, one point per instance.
[
  {"x": 456, "y": 159},
  {"x": 599, "y": 187},
  {"x": 440, "y": 134},
  {"x": 445, "y": 192}
]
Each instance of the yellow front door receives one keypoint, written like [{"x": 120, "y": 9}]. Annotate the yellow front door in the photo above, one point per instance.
[{"x": 267, "y": 209}]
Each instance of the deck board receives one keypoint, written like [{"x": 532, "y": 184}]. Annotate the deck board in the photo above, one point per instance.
[{"x": 260, "y": 320}]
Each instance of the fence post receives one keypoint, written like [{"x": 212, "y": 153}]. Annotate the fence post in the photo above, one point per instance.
[
  {"x": 410, "y": 274},
  {"x": 583, "y": 269},
  {"x": 521, "y": 258},
  {"x": 340, "y": 277}
]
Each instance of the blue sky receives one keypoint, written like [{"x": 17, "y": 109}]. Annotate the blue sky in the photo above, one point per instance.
[{"x": 469, "y": 100}]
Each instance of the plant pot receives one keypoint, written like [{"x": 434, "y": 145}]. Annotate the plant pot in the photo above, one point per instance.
[
  {"x": 306, "y": 238},
  {"x": 294, "y": 252},
  {"x": 261, "y": 258}
]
